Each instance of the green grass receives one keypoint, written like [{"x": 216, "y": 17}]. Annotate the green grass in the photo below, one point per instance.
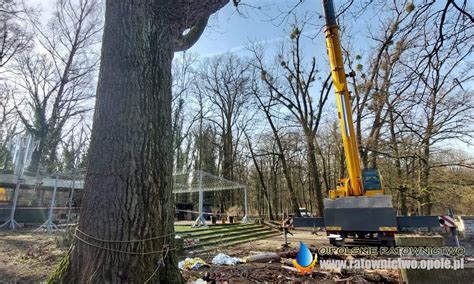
[
  {"x": 216, "y": 236},
  {"x": 184, "y": 228},
  {"x": 190, "y": 229},
  {"x": 211, "y": 228},
  {"x": 216, "y": 230}
]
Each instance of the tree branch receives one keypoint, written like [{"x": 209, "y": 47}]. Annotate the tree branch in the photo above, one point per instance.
[{"x": 184, "y": 42}]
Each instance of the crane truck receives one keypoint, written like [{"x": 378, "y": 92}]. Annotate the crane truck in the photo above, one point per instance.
[{"x": 358, "y": 208}]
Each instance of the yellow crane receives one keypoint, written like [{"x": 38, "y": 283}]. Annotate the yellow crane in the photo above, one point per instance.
[
  {"x": 357, "y": 208},
  {"x": 354, "y": 185}
]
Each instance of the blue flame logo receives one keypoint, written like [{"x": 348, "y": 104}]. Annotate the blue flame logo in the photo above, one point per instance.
[
  {"x": 304, "y": 256},
  {"x": 305, "y": 262}
]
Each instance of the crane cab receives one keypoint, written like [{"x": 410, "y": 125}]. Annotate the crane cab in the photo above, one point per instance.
[
  {"x": 371, "y": 185},
  {"x": 372, "y": 182}
]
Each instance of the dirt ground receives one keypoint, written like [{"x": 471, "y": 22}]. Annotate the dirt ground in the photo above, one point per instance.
[
  {"x": 272, "y": 271},
  {"x": 27, "y": 256}
]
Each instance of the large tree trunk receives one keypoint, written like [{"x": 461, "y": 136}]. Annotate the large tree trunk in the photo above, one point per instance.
[
  {"x": 286, "y": 170},
  {"x": 128, "y": 187}
]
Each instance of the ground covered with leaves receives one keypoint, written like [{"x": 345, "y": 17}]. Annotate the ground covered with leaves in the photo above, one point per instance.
[
  {"x": 27, "y": 256},
  {"x": 272, "y": 271}
]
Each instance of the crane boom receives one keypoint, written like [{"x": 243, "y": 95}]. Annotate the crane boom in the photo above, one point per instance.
[{"x": 353, "y": 185}]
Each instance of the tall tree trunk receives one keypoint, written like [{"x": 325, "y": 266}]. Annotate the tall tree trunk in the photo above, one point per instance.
[
  {"x": 424, "y": 175},
  {"x": 273, "y": 178},
  {"x": 402, "y": 189},
  {"x": 286, "y": 170},
  {"x": 281, "y": 155},
  {"x": 260, "y": 178},
  {"x": 425, "y": 156},
  {"x": 128, "y": 187},
  {"x": 314, "y": 172},
  {"x": 37, "y": 154},
  {"x": 228, "y": 154}
]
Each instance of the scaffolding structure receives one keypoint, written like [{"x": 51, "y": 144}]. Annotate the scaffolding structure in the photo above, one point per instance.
[
  {"x": 184, "y": 182},
  {"x": 46, "y": 183},
  {"x": 23, "y": 147},
  {"x": 201, "y": 181}
]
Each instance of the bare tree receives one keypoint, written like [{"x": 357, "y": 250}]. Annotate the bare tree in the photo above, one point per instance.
[
  {"x": 430, "y": 112},
  {"x": 9, "y": 125},
  {"x": 225, "y": 83},
  {"x": 261, "y": 177},
  {"x": 14, "y": 36},
  {"x": 266, "y": 106},
  {"x": 391, "y": 116},
  {"x": 185, "y": 97},
  {"x": 374, "y": 87},
  {"x": 57, "y": 84},
  {"x": 440, "y": 111},
  {"x": 290, "y": 85}
]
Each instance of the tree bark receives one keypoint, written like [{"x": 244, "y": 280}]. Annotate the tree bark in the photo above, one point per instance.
[{"x": 126, "y": 234}]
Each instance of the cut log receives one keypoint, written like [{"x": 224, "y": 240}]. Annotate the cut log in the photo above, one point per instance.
[
  {"x": 271, "y": 256},
  {"x": 289, "y": 268}
]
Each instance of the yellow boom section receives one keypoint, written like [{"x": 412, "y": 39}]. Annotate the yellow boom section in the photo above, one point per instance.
[{"x": 353, "y": 186}]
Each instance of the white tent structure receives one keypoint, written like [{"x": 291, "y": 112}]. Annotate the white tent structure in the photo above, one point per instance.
[
  {"x": 200, "y": 181},
  {"x": 184, "y": 182}
]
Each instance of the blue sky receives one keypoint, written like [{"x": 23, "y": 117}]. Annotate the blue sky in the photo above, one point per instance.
[{"x": 230, "y": 31}]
